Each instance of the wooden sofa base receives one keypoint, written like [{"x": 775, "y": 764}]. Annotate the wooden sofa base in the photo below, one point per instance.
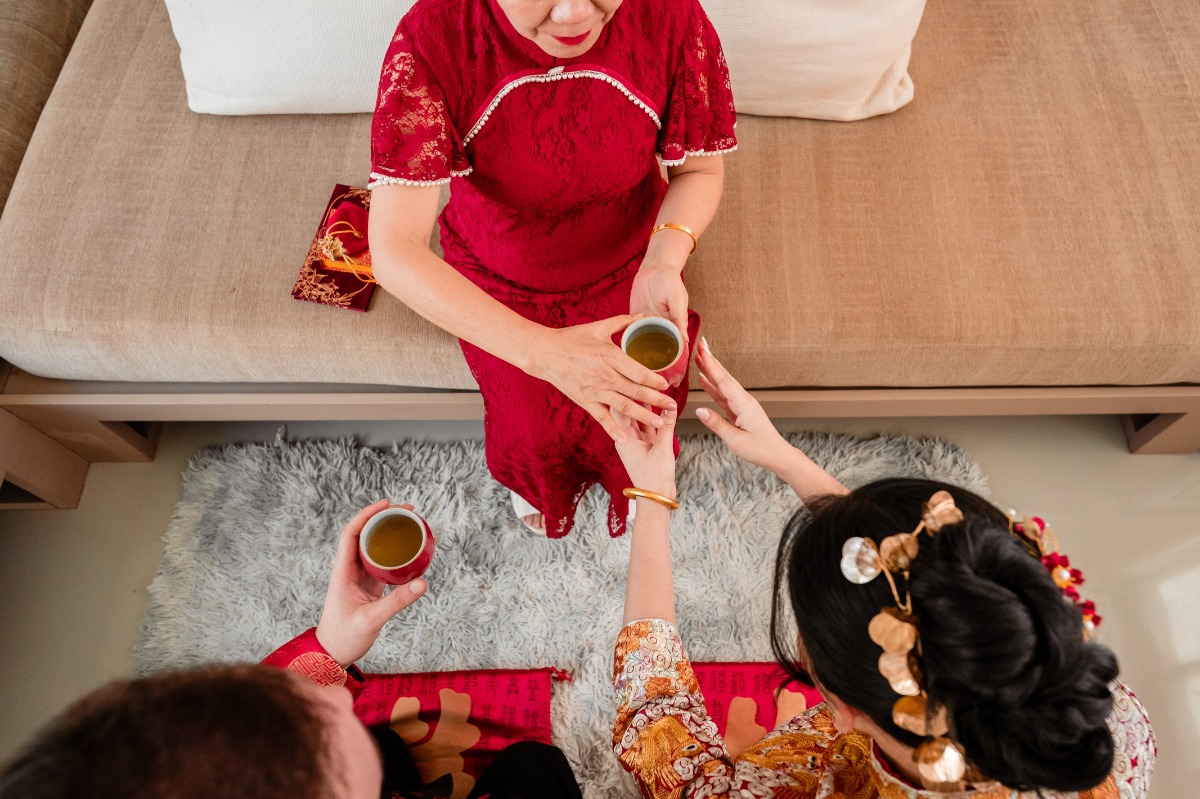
[
  {"x": 51, "y": 429},
  {"x": 35, "y": 470}
]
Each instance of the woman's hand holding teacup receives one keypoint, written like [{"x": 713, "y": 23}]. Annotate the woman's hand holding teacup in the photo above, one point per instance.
[
  {"x": 356, "y": 607},
  {"x": 658, "y": 290},
  {"x": 583, "y": 363}
]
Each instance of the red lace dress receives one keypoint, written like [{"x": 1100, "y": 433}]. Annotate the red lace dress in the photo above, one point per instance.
[{"x": 555, "y": 186}]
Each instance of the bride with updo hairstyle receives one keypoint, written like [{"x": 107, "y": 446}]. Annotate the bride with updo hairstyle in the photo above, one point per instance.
[
  {"x": 949, "y": 641},
  {"x": 1027, "y": 698}
]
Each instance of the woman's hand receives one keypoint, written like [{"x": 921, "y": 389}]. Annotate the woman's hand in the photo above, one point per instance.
[
  {"x": 649, "y": 457},
  {"x": 749, "y": 433},
  {"x": 658, "y": 290},
  {"x": 583, "y": 363},
  {"x": 745, "y": 429},
  {"x": 355, "y": 606},
  {"x": 649, "y": 454}
]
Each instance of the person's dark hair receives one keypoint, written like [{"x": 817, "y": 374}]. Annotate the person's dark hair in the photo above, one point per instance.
[
  {"x": 1027, "y": 698},
  {"x": 221, "y": 732}
]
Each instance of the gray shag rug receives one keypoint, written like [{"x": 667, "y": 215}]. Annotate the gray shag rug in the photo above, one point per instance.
[{"x": 252, "y": 538}]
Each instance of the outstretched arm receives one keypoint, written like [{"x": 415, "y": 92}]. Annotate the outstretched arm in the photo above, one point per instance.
[
  {"x": 649, "y": 457},
  {"x": 747, "y": 431}
]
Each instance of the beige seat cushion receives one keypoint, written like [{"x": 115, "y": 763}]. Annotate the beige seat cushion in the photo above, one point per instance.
[
  {"x": 35, "y": 38},
  {"x": 1033, "y": 218}
]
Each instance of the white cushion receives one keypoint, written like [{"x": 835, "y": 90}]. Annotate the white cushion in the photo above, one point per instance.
[
  {"x": 283, "y": 56},
  {"x": 818, "y": 59},
  {"x": 824, "y": 59}
]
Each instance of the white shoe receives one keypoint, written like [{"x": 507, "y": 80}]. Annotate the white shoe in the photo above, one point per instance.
[{"x": 524, "y": 510}]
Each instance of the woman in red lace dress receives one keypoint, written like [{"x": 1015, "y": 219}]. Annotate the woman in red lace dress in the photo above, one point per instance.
[{"x": 550, "y": 119}]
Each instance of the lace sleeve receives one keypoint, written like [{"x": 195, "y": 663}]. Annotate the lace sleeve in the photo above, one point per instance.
[
  {"x": 413, "y": 141},
  {"x": 700, "y": 116}
]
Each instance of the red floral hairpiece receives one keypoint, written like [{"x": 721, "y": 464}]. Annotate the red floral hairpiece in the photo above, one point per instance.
[{"x": 1041, "y": 542}]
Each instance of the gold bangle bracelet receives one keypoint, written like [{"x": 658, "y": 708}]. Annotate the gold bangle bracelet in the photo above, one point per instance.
[
  {"x": 683, "y": 228},
  {"x": 636, "y": 493}
]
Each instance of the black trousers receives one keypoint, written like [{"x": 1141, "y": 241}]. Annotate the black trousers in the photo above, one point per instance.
[{"x": 525, "y": 770}]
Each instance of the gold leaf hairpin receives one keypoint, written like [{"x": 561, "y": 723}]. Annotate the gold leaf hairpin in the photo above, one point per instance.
[
  {"x": 940, "y": 511},
  {"x": 940, "y": 761}
]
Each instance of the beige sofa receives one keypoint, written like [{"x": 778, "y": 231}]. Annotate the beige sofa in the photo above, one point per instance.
[{"x": 1023, "y": 238}]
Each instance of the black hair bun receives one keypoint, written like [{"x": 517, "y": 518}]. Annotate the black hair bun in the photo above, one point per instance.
[{"x": 1004, "y": 652}]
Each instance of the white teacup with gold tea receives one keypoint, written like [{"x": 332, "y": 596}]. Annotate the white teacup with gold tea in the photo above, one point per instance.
[
  {"x": 396, "y": 546},
  {"x": 657, "y": 344}
]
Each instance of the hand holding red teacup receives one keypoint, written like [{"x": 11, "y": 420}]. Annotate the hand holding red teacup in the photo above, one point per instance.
[
  {"x": 356, "y": 607},
  {"x": 658, "y": 290},
  {"x": 583, "y": 363}
]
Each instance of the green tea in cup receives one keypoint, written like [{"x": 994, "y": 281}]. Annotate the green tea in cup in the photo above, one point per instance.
[{"x": 656, "y": 344}]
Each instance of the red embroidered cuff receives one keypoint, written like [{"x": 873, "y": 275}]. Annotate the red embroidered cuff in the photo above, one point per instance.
[{"x": 305, "y": 655}]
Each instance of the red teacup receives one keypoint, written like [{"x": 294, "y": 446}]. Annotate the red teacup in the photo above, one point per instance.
[
  {"x": 396, "y": 546},
  {"x": 657, "y": 344}
]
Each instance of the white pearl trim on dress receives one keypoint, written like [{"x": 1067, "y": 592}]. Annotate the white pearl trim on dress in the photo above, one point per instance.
[
  {"x": 558, "y": 73},
  {"x": 387, "y": 180},
  {"x": 697, "y": 154}
]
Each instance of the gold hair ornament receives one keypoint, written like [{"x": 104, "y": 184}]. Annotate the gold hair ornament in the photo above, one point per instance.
[{"x": 939, "y": 760}]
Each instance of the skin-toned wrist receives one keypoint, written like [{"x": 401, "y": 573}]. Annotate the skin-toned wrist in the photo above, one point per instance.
[
  {"x": 529, "y": 355},
  {"x": 341, "y": 657},
  {"x": 667, "y": 269},
  {"x": 786, "y": 461},
  {"x": 806, "y": 478},
  {"x": 667, "y": 252}
]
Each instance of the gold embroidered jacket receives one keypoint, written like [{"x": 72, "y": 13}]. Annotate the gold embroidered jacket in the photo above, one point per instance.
[{"x": 666, "y": 740}]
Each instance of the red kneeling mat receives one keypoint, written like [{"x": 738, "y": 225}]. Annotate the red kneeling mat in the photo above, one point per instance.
[
  {"x": 746, "y": 702},
  {"x": 456, "y": 722}
]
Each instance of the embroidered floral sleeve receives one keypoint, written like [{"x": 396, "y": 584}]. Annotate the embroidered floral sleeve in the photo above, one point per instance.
[
  {"x": 666, "y": 740},
  {"x": 413, "y": 140},
  {"x": 1136, "y": 747},
  {"x": 305, "y": 655},
  {"x": 700, "y": 116},
  {"x": 663, "y": 735}
]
